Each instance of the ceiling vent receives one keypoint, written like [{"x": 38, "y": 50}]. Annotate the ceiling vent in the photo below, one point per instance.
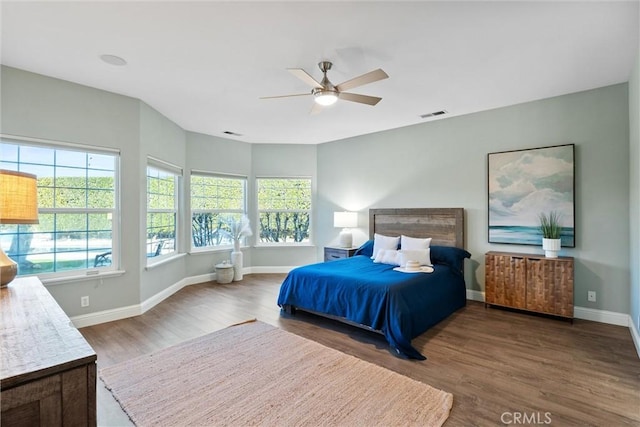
[
  {"x": 434, "y": 114},
  {"x": 228, "y": 132}
]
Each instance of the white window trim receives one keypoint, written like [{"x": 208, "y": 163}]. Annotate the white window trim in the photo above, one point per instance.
[
  {"x": 177, "y": 171},
  {"x": 77, "y": 274},
  {"x": 256, "y": 230},
  {"x": 220, "y": 248},
  {"x": 91, "y": 274},
  {"x": 164, "y": 259}
]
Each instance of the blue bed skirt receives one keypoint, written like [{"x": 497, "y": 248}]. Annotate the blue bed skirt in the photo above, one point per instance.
[{"x": 400, "y": 305}]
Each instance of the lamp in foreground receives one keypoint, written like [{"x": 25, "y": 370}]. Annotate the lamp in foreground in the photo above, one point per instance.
[
  {"x": 345, "y": 220},
  {"x": 18, "y": 205}
]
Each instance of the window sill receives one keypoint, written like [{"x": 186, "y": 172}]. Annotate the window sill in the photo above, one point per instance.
[
  {"x": 163, "y": 261},
  {"x": 284, "y": 245},
  {"x": 89, "y": 275},
  {"x": 214, "y": 250}
]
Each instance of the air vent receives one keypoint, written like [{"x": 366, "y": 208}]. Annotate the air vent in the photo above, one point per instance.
[
  {"x": 434, "y": 114},
  {"x": 228, "y": 132}
]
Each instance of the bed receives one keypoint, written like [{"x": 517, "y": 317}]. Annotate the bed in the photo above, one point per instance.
[{"x": 399, "y": 305}]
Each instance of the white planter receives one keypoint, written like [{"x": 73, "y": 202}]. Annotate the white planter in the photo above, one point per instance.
[
  {"x": 551, "y": 247},
  {"x": 236, "y": 260},
  {"x": 224, "y": 272}
]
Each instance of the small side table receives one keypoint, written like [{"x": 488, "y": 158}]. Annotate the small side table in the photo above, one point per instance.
[
  {"x": 224, "y": 272},
  {"x": 334, "y": 253}
]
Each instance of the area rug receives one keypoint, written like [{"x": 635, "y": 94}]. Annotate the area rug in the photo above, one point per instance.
[{"x": 257, "y": 374}]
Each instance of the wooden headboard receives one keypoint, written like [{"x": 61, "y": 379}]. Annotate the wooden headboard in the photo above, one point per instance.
[{"x": 444, "y": 225}]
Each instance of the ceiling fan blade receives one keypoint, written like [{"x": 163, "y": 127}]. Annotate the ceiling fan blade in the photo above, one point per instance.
[
  {"x": 362, "y": 99},
  {"x": 285, "y": 96},
  {"x": 304, "y": 76},
  {"x": 370, "y": 77},
  {"x": 316, "y": 108}
]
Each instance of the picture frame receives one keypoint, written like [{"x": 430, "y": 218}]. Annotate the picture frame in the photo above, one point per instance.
[{"x": 522, "y": 185}]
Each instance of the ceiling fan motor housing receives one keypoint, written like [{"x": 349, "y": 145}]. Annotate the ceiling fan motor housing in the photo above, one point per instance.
[{"x": 325, "y": 96}]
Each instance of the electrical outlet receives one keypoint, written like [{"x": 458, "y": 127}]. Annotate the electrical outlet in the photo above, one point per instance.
[
  {"x": 591, "y": 296},
  {"x": 84, "y": 301}
]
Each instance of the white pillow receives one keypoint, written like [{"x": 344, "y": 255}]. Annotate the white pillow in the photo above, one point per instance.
[
  {"x": 388, "y": 256},
  {"x": 412, "y": 243},
  {"x": 381, "y": 242},
  {"x": 423, "y": 256}
]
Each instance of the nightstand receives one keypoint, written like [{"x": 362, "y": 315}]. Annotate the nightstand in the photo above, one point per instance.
[{"x": 332, "y": 253}]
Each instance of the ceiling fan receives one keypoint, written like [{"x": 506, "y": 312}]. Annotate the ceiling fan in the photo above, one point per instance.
[{"x": 326, "y": 93}]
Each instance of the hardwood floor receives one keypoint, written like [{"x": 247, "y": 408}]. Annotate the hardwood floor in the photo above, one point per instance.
[{"x": 501, "y": 367}]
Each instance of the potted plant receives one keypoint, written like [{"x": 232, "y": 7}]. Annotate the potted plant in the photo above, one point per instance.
[
  {"x": 239, "y": 229},
  {"x": 550, "y": 228}
]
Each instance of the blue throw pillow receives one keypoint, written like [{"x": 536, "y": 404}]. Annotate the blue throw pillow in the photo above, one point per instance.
[
  {"x": 449, "y": 255},
  {"x": 366, "y": 249}
]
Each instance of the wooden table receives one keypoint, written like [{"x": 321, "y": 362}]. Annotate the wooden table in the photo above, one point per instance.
[{"x": 47, "y": 368}]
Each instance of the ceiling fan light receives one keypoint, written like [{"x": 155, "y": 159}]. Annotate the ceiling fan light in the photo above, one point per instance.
[{"x": 325, "y": 98}]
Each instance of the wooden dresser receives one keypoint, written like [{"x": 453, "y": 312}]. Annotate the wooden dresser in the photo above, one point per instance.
[
  {"x": 530, "y": 282},
  {"x": 47, "y": 370}
]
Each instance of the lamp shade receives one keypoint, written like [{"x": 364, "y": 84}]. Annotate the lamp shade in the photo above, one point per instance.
[
  {"x": 18, "y": 198},
  {"x": 345, "y": 219}
]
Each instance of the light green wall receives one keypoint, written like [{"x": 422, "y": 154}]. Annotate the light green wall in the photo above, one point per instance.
[
  {"x": 436, "y": 164},
  {"x": 217, "y": 155},
  {"x": 37, "y": 106},
  {"x": 443, "y": 164},
  {"x": 634, "y": 191},
  {"x": 161, "y": 139},
  {"x": 42, "y": 107},
  {"x": 277, "y": 160}
]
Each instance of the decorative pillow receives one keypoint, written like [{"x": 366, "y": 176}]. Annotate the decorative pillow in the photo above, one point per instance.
[
  {"x": 449, "y": 255},
  {"x": 387, "y": 256},
  {"x": 381, "y": 242},
  {"x": 366, "y": 249},
  {"x": 412, "y": 243},
  {"x": 420, "y": 255}
]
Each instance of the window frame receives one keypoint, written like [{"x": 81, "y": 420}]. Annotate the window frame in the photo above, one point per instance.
[
  {"x": 88, "y": 272},
  {"x": 176, "y": 171},
  {"x": 243, "y": 211},
  {"x": 258, "y": 242}
]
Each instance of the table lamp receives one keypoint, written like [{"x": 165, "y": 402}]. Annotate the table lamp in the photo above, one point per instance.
[
  {"x": 18, "y": 205},
  {"x": 345, "y": 220}
]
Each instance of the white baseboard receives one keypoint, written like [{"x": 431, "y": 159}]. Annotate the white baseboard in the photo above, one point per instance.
[
  {"x": 105, "y": 316},
  {"x": 475, "y": 295},
  {"x": 635, "y": 335},
  {"x": 98, "y": 317},
  {"x": 156, "y": 299},
  {"x": 602, "y": 316}
]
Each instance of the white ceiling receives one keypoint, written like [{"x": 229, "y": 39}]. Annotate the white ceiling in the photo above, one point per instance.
[{"x": 205, "y": 64}]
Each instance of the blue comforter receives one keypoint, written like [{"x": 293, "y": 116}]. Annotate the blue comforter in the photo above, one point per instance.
[{"x": 400, "y": 305}]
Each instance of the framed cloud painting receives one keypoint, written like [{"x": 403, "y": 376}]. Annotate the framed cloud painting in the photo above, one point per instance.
[{"x": 526, "y": 183}]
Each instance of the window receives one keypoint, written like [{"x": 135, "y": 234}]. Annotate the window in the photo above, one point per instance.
[
  {"x": 284, "y": 208},
  {"x": 162, "y": 209},
  {"x": 77, "y": 204},
  {"x": 215, "y": 200}
]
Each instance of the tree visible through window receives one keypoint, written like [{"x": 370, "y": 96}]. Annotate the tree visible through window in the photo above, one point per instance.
[
  {"x": 284, "y": 207},
  {"x": 215, "y": 200},
  {"x": 76, "y": 207},
  {"x": 162, "y": 196}
]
